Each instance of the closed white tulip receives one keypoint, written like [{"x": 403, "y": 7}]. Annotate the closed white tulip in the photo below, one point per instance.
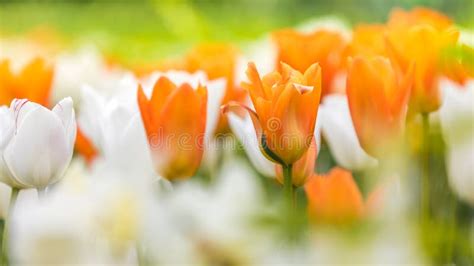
[
  {"x": 36, "y": 143},
  {"x": 339, "y": 133},
  {"x": 457, "y": 119}
]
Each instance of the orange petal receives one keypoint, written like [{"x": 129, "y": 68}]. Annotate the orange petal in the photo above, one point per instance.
[
  {"x": 85, "y": 147},
  {"x": 178, "y": 144},
  {"x": 334, "y": 198}
]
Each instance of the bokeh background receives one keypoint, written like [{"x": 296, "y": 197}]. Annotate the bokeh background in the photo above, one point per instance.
[{"x": 147, "y": 30}]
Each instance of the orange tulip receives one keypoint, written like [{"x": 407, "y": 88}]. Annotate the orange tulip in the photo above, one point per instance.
[
  {"x": 302, "y": 169},
  {"x": 301, "y": 50},
  {"x": 401, "y": 18},
  {"x": 286, "y": 106},
  {"x": 32, "y": 83},
  {"x": 378, "y": 95},
  {"x": 421, "y": 36},
  {"x": 412, "y": 46},
  {"x": 334, "y": 198},
  {"x": 175, "y": 121},
  {"x": 367, "y": 40},
  {"x": 218, "y": 60}
]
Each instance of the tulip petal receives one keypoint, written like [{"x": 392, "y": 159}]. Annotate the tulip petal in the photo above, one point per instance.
[
  {"x": 92, "y": 105},
  {"x": 339, "y": 133},
  {"x": 245, "y": 133},
  {"x": 216, "y": 91},
  {"x": 65, "y": 111},
  {"x": 39, "y": 152}
]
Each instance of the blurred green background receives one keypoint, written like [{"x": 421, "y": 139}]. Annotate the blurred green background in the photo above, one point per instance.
[{"x": 152, "y": 29}]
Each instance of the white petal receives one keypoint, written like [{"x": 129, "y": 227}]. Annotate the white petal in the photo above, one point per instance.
[
  {"x": 7, "y": 129},
  {"x": 113, "y": 124},
  {"x": 460, "y": 171},
  {"x": 457, "y": 119},
  {"x": 338, "y": 131},
  {"x": 65, "y": 111},
  {"x": 244, "y": 131},
  {"x": 21, "y": 108},
  {"x": 317, "y": 133},
  {"x": 215, "y": 93},
  {"x": 92, "y": 106},
  {"x": 7, "y": 126},
  {"x": 39, "y": 152}
]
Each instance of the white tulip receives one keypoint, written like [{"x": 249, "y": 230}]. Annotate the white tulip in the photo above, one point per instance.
[
  {"x": 339, "y": 133},
  {"x": 40, "y": 148},
  {"x": 7, "y": 128},
  {"x": 85, "y": 66},
  {"x": 457, "y": 120},
  {"x": 115, "y": 128}
]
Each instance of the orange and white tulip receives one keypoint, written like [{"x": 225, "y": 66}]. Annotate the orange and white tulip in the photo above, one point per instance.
[
  {"x": 175, "y": 121},
  {"x": 286, "y": 107},
  {"x": 378, "y": 97}
]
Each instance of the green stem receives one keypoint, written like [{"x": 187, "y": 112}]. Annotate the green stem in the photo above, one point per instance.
[
  {"x": 425, "y": 180},
  {"x": 452, "y": 227},
  {"x": 288, "y": 186},
  {"x": 13, "y": 197}
]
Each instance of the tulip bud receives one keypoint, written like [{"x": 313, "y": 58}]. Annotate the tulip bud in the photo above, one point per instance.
[
  {"x": 378, "y": 100},
  {"x": 175, "y": 122},
  {"x": 286, "y": 106},
  {"x": 38, "y": 146}
]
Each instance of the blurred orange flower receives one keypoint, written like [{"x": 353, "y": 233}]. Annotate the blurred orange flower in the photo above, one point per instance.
[
  {"x": 422, "y": 36},
  {"x": 175, "y": 121},
  {"x": 378, "y": 95},
  {"x": 302, "y": 169},
  {"x": 420, "y": 15},
  {"x": 286, "y": 106},
  {"x": 301, "y": 50},
  {"x": 33, "y": 82},
  {"x": 367, "y": 39},
  {"x": 334, "y": 198},
  {"x": 218, "y": 60}
]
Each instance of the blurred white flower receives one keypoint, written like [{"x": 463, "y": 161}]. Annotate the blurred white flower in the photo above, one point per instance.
[
  {"x": 199, "y": 223},
  {"x": 114, "y": 126},
  {"x": 457, "y": 123},
  {"x": 38, "y": 151},
  {"x": 52, "y": 232},
  {"x": 339, "y": 133},
  {"x": 85, "y": 66}
]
